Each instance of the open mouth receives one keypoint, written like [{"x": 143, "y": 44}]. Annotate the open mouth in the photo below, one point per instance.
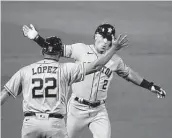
[{"x": 103, "y": 48}]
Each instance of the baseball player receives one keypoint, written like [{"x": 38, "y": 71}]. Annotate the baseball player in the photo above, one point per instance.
[
  {"x": 86, "y": 106},
  {"x": 45, "y": 85}
]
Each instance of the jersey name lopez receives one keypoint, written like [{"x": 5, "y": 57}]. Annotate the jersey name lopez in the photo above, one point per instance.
[{"x": 44, "y": 69}]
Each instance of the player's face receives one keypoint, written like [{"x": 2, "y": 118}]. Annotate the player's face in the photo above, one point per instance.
[{"x": 101, "y": 43}]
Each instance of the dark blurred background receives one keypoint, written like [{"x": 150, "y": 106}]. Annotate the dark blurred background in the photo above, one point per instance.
[{"x": 134, "y": 112}]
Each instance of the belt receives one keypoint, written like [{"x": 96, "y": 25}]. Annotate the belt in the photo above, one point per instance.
[
  {"x": 92, "y": 104},
  {"x": 53, "y": 115}
]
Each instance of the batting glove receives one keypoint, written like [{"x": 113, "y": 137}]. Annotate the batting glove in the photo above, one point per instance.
[
  {"x": 31, "y": 32},
  {"x": 158, "y": 91}
]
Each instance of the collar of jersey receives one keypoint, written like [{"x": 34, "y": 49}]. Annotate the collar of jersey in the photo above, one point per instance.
[{"x": 48, "y": 60}]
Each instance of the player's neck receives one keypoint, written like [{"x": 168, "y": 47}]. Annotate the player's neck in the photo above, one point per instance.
[{"x": 51, "y": 57}]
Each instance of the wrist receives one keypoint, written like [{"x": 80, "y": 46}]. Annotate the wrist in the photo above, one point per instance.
[
  {"x": 36, "y": 37},
  {"x": 146, "y": 84}
]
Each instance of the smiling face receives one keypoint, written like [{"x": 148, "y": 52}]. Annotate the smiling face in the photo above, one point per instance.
[{"x": 101, "y": 43}]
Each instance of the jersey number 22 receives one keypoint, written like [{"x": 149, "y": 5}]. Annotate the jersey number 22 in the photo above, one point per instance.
[{"x": 47, "y": 88}]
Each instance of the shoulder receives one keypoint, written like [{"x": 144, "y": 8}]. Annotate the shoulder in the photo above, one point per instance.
[
  {"x": 21, "y": 71},
  {"x": 115, "y": 62},
  {"x": 70, "y": 65},
  {"x": 78, "y": 45},
  {"x": 116, "y": 59},
  {"x": 26, "y": 68},
  {"x": 79, "y": 49}
]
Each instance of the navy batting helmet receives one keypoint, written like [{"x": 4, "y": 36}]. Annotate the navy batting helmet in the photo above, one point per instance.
[
  {"x": 54, "y": 46},
  {"x": 106, "y": 30}
]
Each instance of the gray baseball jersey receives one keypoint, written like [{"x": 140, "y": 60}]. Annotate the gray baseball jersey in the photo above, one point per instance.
[
  {"x": 45, "y": 85},
  {"x": 95, "y": 86}
]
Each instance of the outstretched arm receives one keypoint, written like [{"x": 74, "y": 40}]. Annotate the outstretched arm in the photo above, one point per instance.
[
  {"x": 40, "y": 41},
  {"x": 4, "y": 96},
  {"x": 140, "y": 81},
  {"x": 33, "y": 34},
  {"x": 96, "y": 65}
]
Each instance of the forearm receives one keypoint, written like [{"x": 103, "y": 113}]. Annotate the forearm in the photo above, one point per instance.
[
  {"x": 4, "y": 96},
  {"x": 136, "y": 79},
  {"x": 40, "y": 41},
  {"x": 101, "y": 61}
]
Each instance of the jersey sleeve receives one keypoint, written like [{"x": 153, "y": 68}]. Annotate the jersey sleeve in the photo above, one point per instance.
[
  {"x": 72, "y": 51},
  {"x": 122, "y": 69},
  {"x": 76, "y": 72},
  {"x": 67, "y": 51},
  {"x": 14, "y": 85}
]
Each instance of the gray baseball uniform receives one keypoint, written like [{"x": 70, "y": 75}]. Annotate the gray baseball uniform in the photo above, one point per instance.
[
  {"x": 45, "y": 85},
  {"x": 94, "y": 88}
]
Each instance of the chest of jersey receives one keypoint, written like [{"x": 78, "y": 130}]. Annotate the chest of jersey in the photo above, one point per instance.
[
  {"x": 87, "y": 57},
  {"x": 95, "y": 86}
]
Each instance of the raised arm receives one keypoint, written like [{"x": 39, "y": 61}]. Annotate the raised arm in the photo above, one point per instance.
[
  {"x": 96, "y": 65},
  {"x": 33, "y": 34},
  {"x": 135, "y": 78},
  {"x": 127, "y": 73}
]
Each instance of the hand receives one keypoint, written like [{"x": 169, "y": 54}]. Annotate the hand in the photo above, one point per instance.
[
  {"x": 158, "y": 91},
  {"x": 120, "y": 42},
  {"x": 30, "y": 33}
]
